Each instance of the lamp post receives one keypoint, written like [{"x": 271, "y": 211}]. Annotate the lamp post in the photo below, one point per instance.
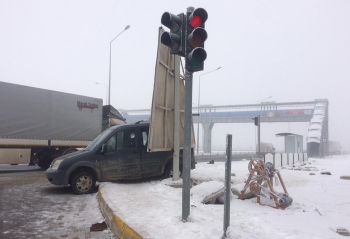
[
  {"x": 106, "y": 89},
  {"x": 110, "y": 60},
  {"x": 264, "y": 99},
  {"x": 199, "y": 93}
]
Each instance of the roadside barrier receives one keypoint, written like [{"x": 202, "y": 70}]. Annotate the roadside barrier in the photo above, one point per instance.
[{"x": 283, "y": 159}]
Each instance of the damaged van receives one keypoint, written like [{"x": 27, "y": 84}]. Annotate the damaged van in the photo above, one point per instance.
[{"x": 118, "y": 153}]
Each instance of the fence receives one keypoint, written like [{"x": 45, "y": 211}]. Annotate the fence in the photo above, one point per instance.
[{"x": 284, "y": 159}]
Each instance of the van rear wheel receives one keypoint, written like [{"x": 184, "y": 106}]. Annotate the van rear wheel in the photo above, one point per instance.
[{"x": 83, "y": 183}]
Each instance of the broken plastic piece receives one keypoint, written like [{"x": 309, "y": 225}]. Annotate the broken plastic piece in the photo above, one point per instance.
[{"x": 98, "y": 227}]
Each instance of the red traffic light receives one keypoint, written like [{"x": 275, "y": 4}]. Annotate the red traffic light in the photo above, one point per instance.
[
  {"x": 196, "y": 35},
  {"x": 196, "y": 21},
  {"x": 198, "y": 17}
]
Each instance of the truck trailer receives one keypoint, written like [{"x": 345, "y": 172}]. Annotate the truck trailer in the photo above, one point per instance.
[
  {"x": 49, "y": 123},
  {"x": 334, "y": 147},
  {"x": 265, "y": 148}
]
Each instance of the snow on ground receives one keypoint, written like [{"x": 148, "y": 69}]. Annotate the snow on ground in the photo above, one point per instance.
[{"x": 321, "y": 204}]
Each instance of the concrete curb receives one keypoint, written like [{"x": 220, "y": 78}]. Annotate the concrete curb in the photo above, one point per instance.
[
  {"x": 4, "y": 168},
  {"x": 115, "y": 223}
]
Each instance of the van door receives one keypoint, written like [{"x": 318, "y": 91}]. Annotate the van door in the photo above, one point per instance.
[
  {"x": 151, "y": 161},
  {"x": 122, "y": 160}
]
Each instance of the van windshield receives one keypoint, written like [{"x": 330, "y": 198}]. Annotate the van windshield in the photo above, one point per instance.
[{"x": 102, "y": 137}]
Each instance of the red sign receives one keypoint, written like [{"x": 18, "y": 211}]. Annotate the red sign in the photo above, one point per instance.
[
  {"x": 87, "y": 105},
  {"x": 297, "y": 112}
]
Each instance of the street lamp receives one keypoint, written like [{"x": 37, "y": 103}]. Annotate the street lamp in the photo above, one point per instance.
[
  {"x": 106, "y": 89},
  {"x": 110, "y": 60},
  {"x": 264, "y": 99},
  {"x": 199, "y": 93}
]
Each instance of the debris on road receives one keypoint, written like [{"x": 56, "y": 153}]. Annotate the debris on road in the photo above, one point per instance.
[
  {"x": 260, "y": 182},
  {"x": 98, "y": 227}
]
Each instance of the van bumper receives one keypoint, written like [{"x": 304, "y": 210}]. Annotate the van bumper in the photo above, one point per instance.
[{"x": 56, "y": 177}]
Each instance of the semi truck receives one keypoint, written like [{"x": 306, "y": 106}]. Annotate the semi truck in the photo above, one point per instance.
[
  {"x": 265, "y": 148},
  {"x": 334, "y": 147},
  {"x": 49, "y": 123}
]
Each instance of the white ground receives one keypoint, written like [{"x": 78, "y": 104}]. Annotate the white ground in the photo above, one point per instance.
[{"x": 321, "y": 204}]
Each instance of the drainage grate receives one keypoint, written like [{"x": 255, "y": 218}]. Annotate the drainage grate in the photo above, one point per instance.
[
  {"x": 98, "y": 227},
  {"x": 343, "y": 232}
]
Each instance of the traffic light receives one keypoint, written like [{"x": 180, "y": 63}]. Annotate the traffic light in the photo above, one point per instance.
[
  {"x": 256, "y": 120},
  {"x": 176, "y": 37},
  {"x": 195, "y": 38}
]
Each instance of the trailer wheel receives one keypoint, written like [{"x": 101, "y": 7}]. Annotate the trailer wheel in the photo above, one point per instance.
[
  {"x": 43, "y": 164},
  {"x": 42, "y": 159},
  {"x": 70, "y": 150},
  {"x": 83, "y": 183}
]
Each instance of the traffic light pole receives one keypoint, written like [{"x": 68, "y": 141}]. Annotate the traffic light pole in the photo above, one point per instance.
[
  {"x": 186, "y": 38},
  {"x": 186, "y": 170}
]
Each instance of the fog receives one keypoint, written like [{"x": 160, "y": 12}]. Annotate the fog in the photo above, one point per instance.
[{"x": 290, "y": 50}]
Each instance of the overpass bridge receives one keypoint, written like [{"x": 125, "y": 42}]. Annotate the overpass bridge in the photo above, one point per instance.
[{"x": 208, "y": 115}]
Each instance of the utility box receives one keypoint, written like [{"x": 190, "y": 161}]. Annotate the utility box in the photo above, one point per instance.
[
  {"x": 14, "y": 156},
  {"x": 293, "y": 143}
]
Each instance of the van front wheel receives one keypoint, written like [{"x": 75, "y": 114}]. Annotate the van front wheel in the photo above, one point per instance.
[{"x": 83, "y": 183}]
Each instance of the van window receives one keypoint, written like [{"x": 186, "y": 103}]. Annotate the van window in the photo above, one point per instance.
[
  {"x": 144, "y": 133},
  {"x": 126, "y": 139},
  {"x": 111, "y": 144}
]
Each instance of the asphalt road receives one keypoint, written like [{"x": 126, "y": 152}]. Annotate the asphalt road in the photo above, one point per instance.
[{"x": 31, "y": 207}]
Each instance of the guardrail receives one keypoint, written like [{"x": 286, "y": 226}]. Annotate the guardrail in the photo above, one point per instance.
[
  {"x": 224, "y": 153},
  {"x": 283, "y": 159}
]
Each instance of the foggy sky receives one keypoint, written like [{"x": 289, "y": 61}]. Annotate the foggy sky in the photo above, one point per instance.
[{"x": 290, "y": 50}]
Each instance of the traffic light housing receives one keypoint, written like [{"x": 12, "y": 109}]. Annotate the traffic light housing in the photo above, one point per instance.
[
  {"x": 175, "y": 39},
  {"x": 256, "y": 120},
  {"x": 195, "y": 38}
]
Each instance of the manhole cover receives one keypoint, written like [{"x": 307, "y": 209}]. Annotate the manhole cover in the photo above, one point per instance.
[{"x": 343, "y": 232}]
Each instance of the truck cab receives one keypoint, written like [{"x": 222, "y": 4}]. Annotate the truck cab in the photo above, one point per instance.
[{"x": 118, "y": 153}]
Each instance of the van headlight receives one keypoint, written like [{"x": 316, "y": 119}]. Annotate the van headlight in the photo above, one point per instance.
[{"x": 56, "y": 164}]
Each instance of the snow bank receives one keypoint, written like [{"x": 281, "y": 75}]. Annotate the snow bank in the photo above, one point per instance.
[{"x": 321, "y": 204}]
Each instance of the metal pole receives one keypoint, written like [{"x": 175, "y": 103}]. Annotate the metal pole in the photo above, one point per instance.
[
  {"x": 198, "y": 117},
  {"x": 176, "y": 174},
  {"x": 227, "y": 183},
  {"x": 259, "y": 136},
  {"x": 110, "y": 62},
  {"x": 186, "y": 171}
]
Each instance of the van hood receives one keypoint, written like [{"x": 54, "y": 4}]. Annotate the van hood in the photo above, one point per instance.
[{"x": 72, "y": 155}]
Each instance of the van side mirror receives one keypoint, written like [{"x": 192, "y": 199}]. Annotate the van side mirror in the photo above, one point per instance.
[{"x": 104, "y": 148}]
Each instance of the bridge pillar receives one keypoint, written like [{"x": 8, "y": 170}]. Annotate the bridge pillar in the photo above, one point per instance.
[{"x": 207, "y": 127}]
